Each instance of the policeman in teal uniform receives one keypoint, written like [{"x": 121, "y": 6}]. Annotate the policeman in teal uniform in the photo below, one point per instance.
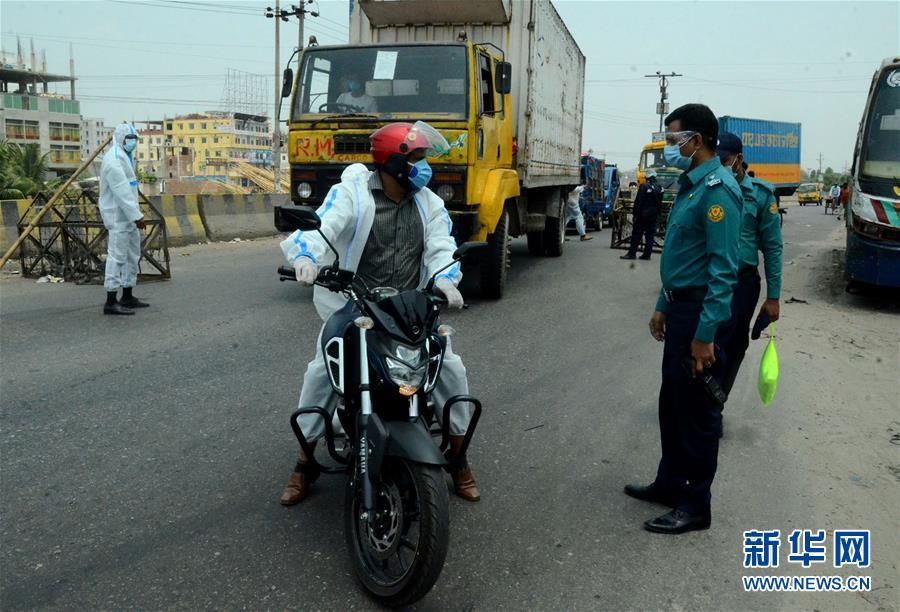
[
  {"x": 699, "y": 270},
  {"x": 760, "y": 231}
]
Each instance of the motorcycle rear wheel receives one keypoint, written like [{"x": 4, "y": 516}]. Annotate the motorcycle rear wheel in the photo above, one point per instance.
[{"x": 399, "y": 555}]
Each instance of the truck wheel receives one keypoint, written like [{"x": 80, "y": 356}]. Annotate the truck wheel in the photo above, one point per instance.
[
  {"x": 536, "y": 242},
  {"x": 555, "y": 227},
  {"x": 495, "y": 263}
]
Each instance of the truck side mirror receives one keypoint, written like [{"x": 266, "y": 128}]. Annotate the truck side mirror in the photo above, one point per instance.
[
  {"x": 287, "y": 82},
  {"x": 503, "y": 78}
]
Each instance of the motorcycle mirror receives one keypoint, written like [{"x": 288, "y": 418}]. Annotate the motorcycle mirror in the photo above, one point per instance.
[
  {"x": 288, "y": 219},
  {"x": 469, "y": 249}
]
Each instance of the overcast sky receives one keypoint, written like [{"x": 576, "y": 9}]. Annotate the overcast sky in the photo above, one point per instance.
[{"x": 807, "y": 62}]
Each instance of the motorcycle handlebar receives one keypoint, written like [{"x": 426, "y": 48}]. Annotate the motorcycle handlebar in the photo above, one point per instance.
[{"x": 286, "y": 273}]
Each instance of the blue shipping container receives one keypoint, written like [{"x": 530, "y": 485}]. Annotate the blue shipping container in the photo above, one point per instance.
[{"x": 771, "y": 148}]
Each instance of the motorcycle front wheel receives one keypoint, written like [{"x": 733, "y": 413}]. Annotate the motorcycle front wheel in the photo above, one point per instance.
[{"x": 398, "y": 553}]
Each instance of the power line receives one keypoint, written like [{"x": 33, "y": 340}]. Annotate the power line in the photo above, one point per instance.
[{"x": 801, "y": 91}]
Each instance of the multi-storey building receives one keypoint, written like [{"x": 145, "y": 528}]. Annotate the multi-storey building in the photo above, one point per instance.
[
  {"x": 30, "y": 114},
  {"x": 151, "y": 149},
  {"x": 93, "y": 133},
  {"x": 203, "y": 145}
]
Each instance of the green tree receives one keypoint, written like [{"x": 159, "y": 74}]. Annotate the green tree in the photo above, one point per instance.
[{"x": 23, "y": 169}]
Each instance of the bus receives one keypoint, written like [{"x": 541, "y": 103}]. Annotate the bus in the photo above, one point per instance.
[{"x": 873, "y": 210}]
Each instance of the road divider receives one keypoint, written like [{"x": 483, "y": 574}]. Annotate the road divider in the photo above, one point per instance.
[
  {"x": 184, "y": 225},
  {"x": 230, "y": 216},
  {"x": 190, "y": 219},
  {"x": 10, "y": 212}
]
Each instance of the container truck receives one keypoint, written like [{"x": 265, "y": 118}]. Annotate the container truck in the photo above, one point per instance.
[
  {"x": 503, "y": 80},
  {"x": 771, "y": 150}
]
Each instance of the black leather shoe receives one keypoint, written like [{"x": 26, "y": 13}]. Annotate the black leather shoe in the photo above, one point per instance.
[
  {"x": 645, "y": 257},
  {"x": 628, "y": 256},
  {"x": 116, "y": 309},
  {"x": 133, "y": 303},
  {"x": 677, "y": 521},
  {"x": 650, "y": 493}
]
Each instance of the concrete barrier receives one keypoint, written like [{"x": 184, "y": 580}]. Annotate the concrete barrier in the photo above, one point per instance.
[
  {"x": 10, "y": 212},
  {"x": 232, "y": 216},
  {"x": 184, "y": 225}
]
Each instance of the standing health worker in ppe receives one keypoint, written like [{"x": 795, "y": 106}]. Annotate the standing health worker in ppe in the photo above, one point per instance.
[{"x": 123, "y": 220}]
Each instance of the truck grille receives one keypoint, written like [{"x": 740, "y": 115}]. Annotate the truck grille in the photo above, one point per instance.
[{"x": 351, "y": 144}]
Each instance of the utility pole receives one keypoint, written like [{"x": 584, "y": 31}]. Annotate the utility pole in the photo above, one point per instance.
[
  {"x": 662, "y": 108},
  {"x": 819, "y": 175},
  {"x": 278, "y": 15}
]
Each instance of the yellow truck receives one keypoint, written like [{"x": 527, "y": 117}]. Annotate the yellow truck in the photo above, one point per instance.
[{"x": 503, "y": 80}]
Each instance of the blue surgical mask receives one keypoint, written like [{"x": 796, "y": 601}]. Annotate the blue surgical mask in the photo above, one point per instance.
[
  {"x": 674, "y": 158},
  {"x": 129, "y": 145},
  {"x": 419, "y": 174},
  {"x": 353, "y": 86}
]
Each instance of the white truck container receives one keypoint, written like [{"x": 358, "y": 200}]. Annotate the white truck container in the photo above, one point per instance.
[{"x": 548, "y": 68}]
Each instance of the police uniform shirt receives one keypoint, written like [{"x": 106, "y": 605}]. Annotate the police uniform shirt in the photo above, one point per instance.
[
  {"x": 761, "y": 231},
  {"x": 702, "y": 240}
]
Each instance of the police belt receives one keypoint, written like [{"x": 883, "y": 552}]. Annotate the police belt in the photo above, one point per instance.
[
  {"x": 748, "y": 272},
  {"x": 689, "y": 294}
]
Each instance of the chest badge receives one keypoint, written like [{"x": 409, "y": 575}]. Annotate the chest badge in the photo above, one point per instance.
[{"x": 715, "y": 213}]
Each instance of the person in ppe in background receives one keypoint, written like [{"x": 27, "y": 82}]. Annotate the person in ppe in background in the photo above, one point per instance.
[
  {"x": 123, "y": 220},
  {"x": 395, "y": 233},
  {"x": 355, "y": 99},
  {"x": 760, "y": 231},
  {"x": 573, "y": 211},
  {"x": 646, "y": 209}
]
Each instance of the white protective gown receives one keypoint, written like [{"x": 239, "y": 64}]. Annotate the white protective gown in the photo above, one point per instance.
[
  {"x": 119, "y": 209},
  {"x": 347, "y": 215}
]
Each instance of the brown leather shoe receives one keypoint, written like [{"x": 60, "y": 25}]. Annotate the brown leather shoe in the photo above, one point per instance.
[
  {"x": 463, "y": 481},
  {"x": 301, "y": 479}
]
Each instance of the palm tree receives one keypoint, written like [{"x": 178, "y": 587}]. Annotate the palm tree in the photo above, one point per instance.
[{"x": 23, "y": 169}]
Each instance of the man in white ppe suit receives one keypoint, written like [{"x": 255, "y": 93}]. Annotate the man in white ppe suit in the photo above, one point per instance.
[
  {"x": 391, "y": 230},
  {"x": 123, "y": 220},
  {"x": 573, "y": 211}
]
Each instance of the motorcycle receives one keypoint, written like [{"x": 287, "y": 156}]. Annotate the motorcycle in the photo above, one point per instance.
[{"x": 384, "y": 350}]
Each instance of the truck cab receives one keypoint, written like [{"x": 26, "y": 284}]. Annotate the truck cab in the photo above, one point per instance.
[{"x": 502, "y": 81}]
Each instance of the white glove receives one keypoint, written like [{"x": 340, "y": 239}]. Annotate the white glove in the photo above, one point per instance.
[
  {"x": 306, "y": 271},
  {"x": 446, "y": 286}
]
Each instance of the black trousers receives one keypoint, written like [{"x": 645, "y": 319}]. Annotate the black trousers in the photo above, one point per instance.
[
  {"x": 645, "y": 230},
  {"x": 689, "y": 419},
  {"x": 736, "y": 337}
]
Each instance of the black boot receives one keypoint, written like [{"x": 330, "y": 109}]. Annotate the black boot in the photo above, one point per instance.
[
  {"x": 129, "y": 301},
  {"x": 628, "y": 256},
  {"x": 116, "y": 309}
]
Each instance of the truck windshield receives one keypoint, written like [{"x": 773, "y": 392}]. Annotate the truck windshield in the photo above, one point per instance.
[
  {"x": 420, "y": 81},
  {"x": 879, "y": 153},
  {"x": 652, "y": 159}
]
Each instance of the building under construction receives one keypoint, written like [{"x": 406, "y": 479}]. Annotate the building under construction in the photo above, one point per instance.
[{"x": 30, "y": 113}]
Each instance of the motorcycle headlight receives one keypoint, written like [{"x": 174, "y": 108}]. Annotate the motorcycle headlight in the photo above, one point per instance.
[{"x": 407, "y": 366}]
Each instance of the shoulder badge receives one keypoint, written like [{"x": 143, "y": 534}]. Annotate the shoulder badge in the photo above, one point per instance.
[
  {"x": 773, "y": 208},
  {"x": 715, "y": 213},
  {"x": 713, "y": 181}
]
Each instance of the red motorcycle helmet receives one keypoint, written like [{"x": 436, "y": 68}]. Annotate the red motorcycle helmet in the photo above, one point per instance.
[{"x": 404, "y": 138}]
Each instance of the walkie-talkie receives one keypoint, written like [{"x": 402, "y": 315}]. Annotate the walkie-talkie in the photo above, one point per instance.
[{"x": 710, "y": 385}]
